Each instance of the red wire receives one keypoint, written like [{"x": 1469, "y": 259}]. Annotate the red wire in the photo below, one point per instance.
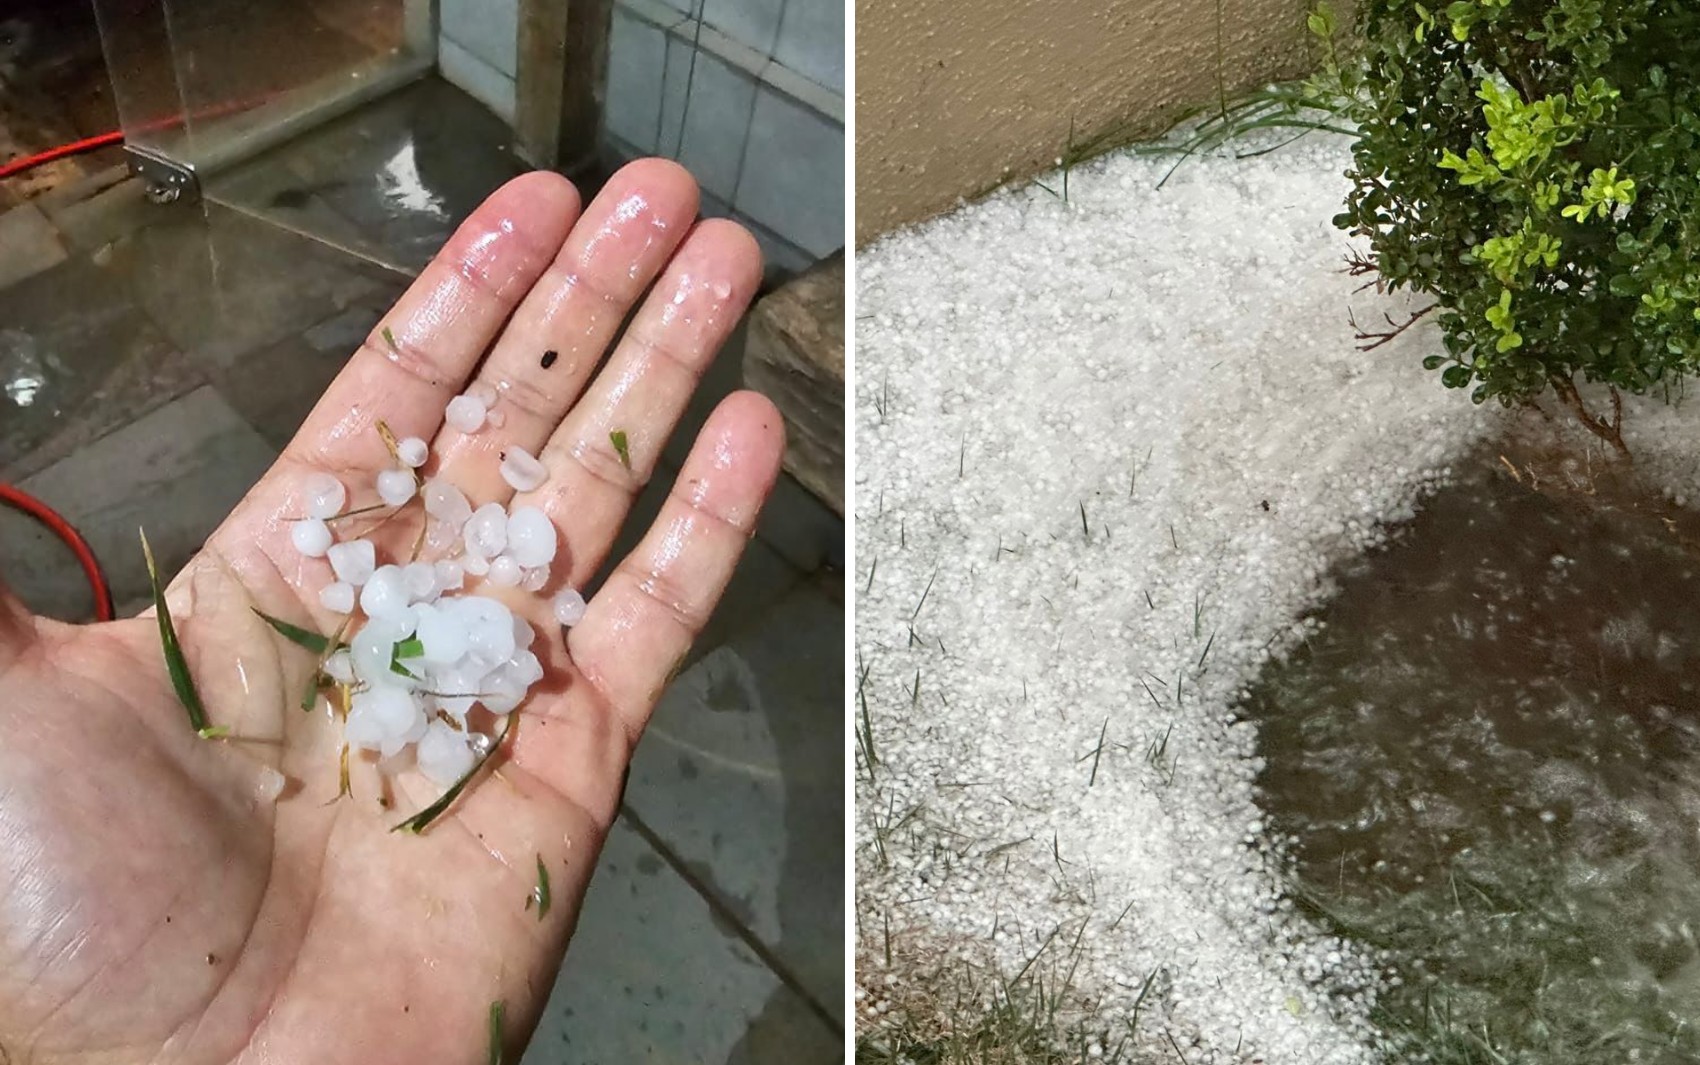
[
  {"x": 63, "y": 529},
  {"x": 87, "y": 144}
]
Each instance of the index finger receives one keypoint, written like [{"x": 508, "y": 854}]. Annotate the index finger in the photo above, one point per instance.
[{"x": 426, "y": 347}]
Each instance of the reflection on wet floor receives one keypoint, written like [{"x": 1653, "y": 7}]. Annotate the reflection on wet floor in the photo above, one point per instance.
[
  {"x": 154, "y": 360},
  {"x": 1490, "y": 759}
]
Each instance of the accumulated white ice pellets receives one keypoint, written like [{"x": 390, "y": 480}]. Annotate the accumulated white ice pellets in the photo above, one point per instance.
[
  {"x": 522, "y": 470},
  {"x": 1155, "y": 501},
  {"x": 412, "y": 452},
  {"x": 444, "y": 754},
  {"x": 505, "y": 572},
  {"x": 464, "y": 414},
  {"x": 352, "y": 560},
  {"x": 446, "y": 502},
  {"x": 311, "y": 537},
  {"x": 486, "y": 532},
  {"x": 337, "y": 596},
  {"x": 396, "y": 487},
  {"x": 325, "y": 495},
  {"x": 531, "y": 537},
  {"x": 568, "y": 606}
]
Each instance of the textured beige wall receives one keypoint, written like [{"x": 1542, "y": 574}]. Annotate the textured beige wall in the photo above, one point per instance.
[{"x": 955, "y": 96}]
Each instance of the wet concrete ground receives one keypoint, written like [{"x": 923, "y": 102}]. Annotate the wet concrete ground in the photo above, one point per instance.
[
  {"x": 1490, "y": 759},
  {"x": 153, "y": 360}
]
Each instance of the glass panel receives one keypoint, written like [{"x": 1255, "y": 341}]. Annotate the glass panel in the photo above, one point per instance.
[
  {"x": 208, "y": 81},
  {"x": 137, "y": 43}
]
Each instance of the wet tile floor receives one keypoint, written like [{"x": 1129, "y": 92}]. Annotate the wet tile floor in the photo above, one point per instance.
[{"x": 155, "y": 359}]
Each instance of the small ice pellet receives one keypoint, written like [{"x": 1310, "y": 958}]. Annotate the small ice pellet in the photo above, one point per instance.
[
  {"x": 505, "y": 572},
  {"x": 413, "y": 452},
  {"x": 353, "y": 561},
  {"x": 483, "y": 393},
  {"x": 525, "y": 668},
  {"x": 443, "y": 635},
  {"x": 396, "y": 487},
  {"x": 486, "y": 532},
  {"x": 496, "y": 419},
  {"x": 444, "y": 755},
  {"x": 371, "y": 649},
  {"x": 451, "y": 575},
  {"x": 325, "y": 495},
  {"x": 477, "y": 565},
  {"x": 311, "y": 537},
  {"x": 338, "y": 597},
  {"x": 339, "y": 667},
  {"x": 522, "y": 470},
  {"x": 489, "y": 628},
  {"x": 569, "y": 607},
  {"x": 420, "y": 579},
  {"x": 534, "y": 578},
  {"x": 385, "y": 594},
  {"x": 464, "y": 414},
  {"x": 446, "y": 502},
  {"x": 531, "y": 536},
  {"x": 440, "y": 536}
]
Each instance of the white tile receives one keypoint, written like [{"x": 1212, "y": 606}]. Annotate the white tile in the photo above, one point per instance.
[
  {"x": 811, "y": 41},
  {"x": 489, "y": 29},
  {"x": 793, "y": 180},
  {"x": 637, "y": 53},
  {"x": 714, "y": 101},
  {"x": 751, "y": 22},
  {"x": 479, "y": 79}
]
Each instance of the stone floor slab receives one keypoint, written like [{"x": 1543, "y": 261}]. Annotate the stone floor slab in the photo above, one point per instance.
[
  {"x": 741, "y": 775},
  {"x": 655, "y": 975},
  {"x": 177, "y": 472}
]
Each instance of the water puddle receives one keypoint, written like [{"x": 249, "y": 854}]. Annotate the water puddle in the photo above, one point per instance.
[{"x": 1488, "y": 759}]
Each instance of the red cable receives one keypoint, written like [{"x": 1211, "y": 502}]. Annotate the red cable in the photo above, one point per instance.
[
  {"x": 63, "y": 529},
  {"x": 87, "y": 144}
]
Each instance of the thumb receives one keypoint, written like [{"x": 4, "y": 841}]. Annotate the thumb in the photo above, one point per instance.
[{"x": 17, "y": 626}]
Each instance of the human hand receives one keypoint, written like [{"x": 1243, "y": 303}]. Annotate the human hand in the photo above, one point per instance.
[{"x": 165, "y": 898}]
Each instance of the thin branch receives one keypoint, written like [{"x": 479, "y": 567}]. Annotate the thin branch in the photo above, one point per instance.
[{"x": 1377, "y": 338}]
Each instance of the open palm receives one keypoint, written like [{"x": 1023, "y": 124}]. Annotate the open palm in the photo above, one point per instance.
[{"x": 165, "y": 898}]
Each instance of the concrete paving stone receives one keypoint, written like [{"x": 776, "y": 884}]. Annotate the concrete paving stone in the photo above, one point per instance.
[
  {"x": 177, "y": 471},
  {"x": 741, "y": 775},
  {"x": 653, "y": 974}
]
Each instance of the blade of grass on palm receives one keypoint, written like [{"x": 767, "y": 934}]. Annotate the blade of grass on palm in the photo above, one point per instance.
[
  {"x": 175, "y": 664},
  {"x": 421, "y": 820}
]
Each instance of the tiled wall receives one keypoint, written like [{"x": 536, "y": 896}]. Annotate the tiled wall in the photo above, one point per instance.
[
  {"x": 478, "y": 50},
  {"x": 758, "y": 116}
]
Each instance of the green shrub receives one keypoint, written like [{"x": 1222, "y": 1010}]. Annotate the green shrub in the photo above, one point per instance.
[{"x": 1534, "y": 167}]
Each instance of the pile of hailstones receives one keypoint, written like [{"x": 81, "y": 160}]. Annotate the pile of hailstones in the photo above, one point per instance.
[{"x": 426, "y": 655}]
